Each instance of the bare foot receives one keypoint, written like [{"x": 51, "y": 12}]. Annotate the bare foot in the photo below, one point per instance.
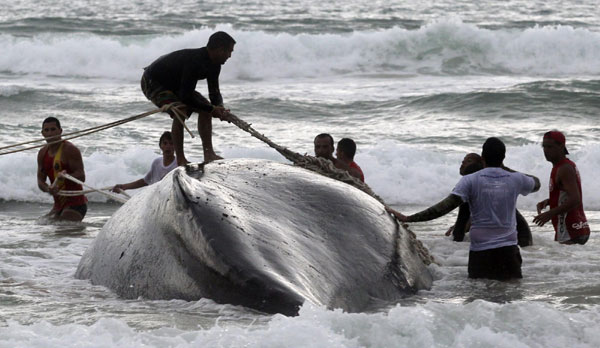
[
  {"x": 212, "y": 157},
  {"x": 182, "y": 161}
]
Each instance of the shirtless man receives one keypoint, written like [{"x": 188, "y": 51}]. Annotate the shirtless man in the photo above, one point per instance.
[
  {"x": 159, "y": 168},
  {"x": 54, "y": 159},
  {"x": 566, "y": 208},
  {"x": 173, "y": 78}
]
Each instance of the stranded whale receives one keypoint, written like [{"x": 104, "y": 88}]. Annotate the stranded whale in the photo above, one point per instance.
[{"x": 256, "y": 233}]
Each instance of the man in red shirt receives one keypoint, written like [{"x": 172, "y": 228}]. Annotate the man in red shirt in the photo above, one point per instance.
[
  {"x": 565, "y": 201},
  {"x": 57, "y": 157},
  {"x": 346, "y": 148}
]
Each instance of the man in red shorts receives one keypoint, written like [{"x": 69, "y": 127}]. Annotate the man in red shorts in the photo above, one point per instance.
[
  {"x": 565, "y": 201},
  {"x": 53, "y": 159}
]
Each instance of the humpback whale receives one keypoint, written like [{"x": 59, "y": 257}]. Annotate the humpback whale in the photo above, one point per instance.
[{"x": 257, "y": 233}]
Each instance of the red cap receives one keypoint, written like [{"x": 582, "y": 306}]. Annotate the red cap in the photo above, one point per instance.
[{"x": 558, "y": 137}]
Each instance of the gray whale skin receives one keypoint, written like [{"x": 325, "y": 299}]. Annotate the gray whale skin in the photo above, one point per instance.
[{"x": 257, "y": 233}]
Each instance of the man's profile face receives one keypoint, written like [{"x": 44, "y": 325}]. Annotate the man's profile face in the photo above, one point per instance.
[
  {"x": 51, "y": 131},
  {"x": 224, "y": 53},
  {"x": 323, "y": 147},
  {"x": 468, "y": 161}
]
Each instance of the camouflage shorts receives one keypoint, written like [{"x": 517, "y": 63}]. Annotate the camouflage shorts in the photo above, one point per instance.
[{"x": 160, "y": 96}]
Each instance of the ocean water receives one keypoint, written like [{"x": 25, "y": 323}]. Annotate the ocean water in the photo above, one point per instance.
[{"x": 416, "y": 85}]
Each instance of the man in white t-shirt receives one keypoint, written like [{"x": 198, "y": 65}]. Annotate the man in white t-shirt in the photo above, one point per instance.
[
  {"x": 160, "y": 166},
  {"x": 492, "y": 196}
]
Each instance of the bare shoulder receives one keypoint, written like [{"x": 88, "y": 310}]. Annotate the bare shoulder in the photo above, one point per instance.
[
  {"x": 566, "y": 169},
  {"x": 42, "y": 152},
  {"x": 70, "y": 149}
]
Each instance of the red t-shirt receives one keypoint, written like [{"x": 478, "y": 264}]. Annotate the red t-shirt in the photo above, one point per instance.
[{"x": 354, "y": 165}]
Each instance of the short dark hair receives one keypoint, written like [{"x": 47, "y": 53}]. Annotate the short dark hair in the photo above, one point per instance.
[
  {"x": 493, "y": 152},
  {"x": 51, "y": 119},
  {"x": 476, "y": 166},
  {"x": 326, "y": 135},
  {"x": 220, "y": 39},
  {"x": 347, "y": 146},
  {"x": 166, "y": 135}
]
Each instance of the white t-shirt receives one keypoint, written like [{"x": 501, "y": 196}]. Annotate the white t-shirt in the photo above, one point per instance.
[
  {"x": 492, "y": 196},
  {"x": 158, "y": 170}
]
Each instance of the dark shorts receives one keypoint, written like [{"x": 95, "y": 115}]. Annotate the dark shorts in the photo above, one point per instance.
[
  {"x": 501, "y": 263},
  {"x": 81, "y": 209},
  {"x": 160, "y": 96}
]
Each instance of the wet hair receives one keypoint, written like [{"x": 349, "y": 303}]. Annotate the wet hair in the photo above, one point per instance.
[
  {"x": 326, "y": 135},
  {"x": 347, "y": 146},
  {"x": 51, "y": 119},
  {"x": 476, "y": 166},
  {"x": 493, "y": 152},
  {"x": 220, "y": 39},
  {"x": 166, "y": 135}
]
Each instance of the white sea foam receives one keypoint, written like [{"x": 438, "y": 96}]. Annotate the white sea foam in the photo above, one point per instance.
[
  {"x": 446, "y": 46},
  {"x": 477, "y": 324}
]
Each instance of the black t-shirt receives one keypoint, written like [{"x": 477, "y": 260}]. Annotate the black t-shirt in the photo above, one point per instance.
[{"x": 179, "y": 72}]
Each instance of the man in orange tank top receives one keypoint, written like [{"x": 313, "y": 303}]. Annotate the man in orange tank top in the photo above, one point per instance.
[
  {"x": 57, "y": 157},
  {"x": 565, "y": 201}
]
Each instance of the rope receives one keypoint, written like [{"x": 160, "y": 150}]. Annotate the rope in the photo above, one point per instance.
[
  {"x": 169, "y": 107},
  {"x": 325, "y": 167},
  {"x": 110, "y": 195},
  {"x": 73, "y": 193}
]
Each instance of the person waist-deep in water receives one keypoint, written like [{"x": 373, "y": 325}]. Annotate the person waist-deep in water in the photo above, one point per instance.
[
  {"x": 565, "y": 201},
  {"x": 53, "y": 159},
  {"x": 472, "y": 163},
  {"x": 492, "y": 195}
]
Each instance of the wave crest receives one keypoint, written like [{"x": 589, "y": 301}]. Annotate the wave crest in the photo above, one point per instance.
[{"x": 447, "y": 47}]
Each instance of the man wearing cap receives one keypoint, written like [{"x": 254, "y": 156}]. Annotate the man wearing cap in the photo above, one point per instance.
[{"x": 566, "y": 208}]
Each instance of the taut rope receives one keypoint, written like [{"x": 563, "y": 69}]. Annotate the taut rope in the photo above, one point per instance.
[
  {"x": 108, "y": 194},
  {"x": 77, "y": 134}
]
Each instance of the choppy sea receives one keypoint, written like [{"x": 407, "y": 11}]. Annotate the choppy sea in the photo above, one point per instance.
[{"x": 417, "y": 85}]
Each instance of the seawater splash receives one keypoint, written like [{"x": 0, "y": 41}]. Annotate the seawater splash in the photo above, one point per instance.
[
  {"x": 433, "y": 324},
  {"x": 399, "y": 173},
  {"x": 446, "y": 47}
]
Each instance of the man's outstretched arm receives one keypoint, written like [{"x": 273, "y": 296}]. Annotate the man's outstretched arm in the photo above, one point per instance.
[{"x": 440, "y": 209}]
